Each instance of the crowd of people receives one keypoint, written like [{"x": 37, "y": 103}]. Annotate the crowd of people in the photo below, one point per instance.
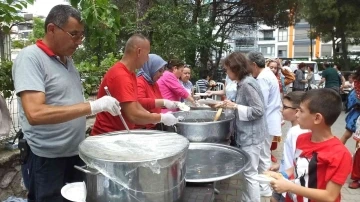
[{"x": 145, "y": 89}]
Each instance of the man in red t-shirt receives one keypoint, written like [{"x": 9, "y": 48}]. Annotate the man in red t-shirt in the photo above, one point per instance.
[
  {"x": 322, "y": 163},
  {"x": 121, "y": 82}
]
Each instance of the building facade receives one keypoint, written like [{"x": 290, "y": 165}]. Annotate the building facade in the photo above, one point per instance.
[{"x": 289, "y": 42}]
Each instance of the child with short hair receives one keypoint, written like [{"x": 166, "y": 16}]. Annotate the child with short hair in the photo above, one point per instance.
[
  {"x": 322, "y": 163},
  {"x": 291, "y": 103}
]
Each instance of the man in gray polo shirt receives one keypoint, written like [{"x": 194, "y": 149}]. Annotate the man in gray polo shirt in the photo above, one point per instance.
[{"x": 52, "y": 107}]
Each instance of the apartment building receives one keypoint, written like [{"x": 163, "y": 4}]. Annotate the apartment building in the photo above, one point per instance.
[{"x": 289, "y": 42}]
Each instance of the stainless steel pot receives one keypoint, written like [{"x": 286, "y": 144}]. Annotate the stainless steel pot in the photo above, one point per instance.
[
  {"x": 102, "y": 189},
  {"x": 198, "y": 126},
  {"x": 202, "y": 108},
  {"x": 135, "y": 132},
  {"x": 133, "y": 180}
]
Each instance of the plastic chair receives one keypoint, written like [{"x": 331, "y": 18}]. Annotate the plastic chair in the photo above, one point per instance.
[
  {"x": 197, "y": 89},
  {"x": 219, "y": 86}
]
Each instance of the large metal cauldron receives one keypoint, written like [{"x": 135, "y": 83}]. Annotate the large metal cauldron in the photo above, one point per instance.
[
  {"x": 198, "y": 126},
  {"x": 158, "y": 180}
]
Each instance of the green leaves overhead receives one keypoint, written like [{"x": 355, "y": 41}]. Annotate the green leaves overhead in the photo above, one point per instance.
[
  {"x": 194, "y": 31},
  {"x": 9, "y": 13},
  {"x": 102, "y": 21},
  {"x": 334, "y": 20},
  {"x": 6, "y": 82}
]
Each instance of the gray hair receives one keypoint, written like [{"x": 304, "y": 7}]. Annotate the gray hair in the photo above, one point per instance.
[
  {"x": 59, "y": 15},
  {"x": 258, "y": 58}
]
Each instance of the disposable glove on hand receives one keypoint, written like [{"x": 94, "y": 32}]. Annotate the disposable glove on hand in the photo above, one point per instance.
[
  {"x": 106, "y": 103},
  {"x": 170, "y": 104},
  {"x": 168, "y": 119}
]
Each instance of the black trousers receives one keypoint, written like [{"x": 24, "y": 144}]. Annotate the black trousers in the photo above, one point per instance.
[{"x": 44, "y": 177}]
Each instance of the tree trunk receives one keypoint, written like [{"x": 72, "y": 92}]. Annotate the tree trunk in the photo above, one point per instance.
[
  {"x": 2, "y": 46},
  {"x": 220, "y": 52},
  {"x": 205, "y": 50},
  {"x": 344, "y": 52},
  {"x": 333, "y": 42},
  {"x": 143, "y": 24},
  {"x": 342, "y": 29},
  {"x": 191, "y": 51}
]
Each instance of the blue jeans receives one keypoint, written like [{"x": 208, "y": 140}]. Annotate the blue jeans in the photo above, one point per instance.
[{"x": 44, "y": 177}]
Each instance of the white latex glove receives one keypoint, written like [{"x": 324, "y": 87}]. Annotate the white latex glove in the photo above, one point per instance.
[
  {"x": 106, "y": 103},
  {"x": 170, "y": 104},
  {"x": 168, "y": 119}
]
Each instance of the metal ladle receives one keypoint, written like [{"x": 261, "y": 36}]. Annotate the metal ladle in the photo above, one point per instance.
[{"x": 121, "y": 117}]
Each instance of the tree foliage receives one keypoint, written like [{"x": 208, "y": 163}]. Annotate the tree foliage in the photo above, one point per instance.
[
  {"x": 6, "y": 81},
  {"x": 334, "y": 20},
  {"x": 191, "y": 30},
  {"x": 38, "y": 30},
  {"x": 102, "y": 21},
  {"x": 9, "y": 13}
]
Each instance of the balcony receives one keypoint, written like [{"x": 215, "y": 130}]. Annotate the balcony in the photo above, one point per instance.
[
  {"x": 267, "y": 39},
  {"x": 245, "y": 49}
]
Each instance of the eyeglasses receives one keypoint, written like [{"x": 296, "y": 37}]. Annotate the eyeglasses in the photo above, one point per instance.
[
  {"x": 74, "y": 36},
  {"x": 287, "y": 107}
]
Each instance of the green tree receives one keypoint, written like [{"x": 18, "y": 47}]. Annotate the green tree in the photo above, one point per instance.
[
  {"x": 217, "y": 20},
  {"x": 335, "y": 20},
  {"x": 102, "y": 21},
  {"x": 38, "y": 31},
  {"x": 9, "y": 14},
  {"x": 191, "y": 30}
]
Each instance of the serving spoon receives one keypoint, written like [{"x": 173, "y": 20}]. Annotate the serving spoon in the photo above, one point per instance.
[
  {"x": 218, "y": 114},
  {"x": 121, "y": 117}
]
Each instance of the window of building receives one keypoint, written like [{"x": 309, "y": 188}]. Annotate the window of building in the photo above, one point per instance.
[
  {"x": 301, "y": 51},
  {"x": 282, "y": 51},
  {"x": 268, "y": 33},
  {"x": 326, "y": 50},
  {"x": 245, "y": 42},
  {"x": 267, "y": 50},
  {"x": 283, "y": 35},
  {"x": 301, "y": 34}
]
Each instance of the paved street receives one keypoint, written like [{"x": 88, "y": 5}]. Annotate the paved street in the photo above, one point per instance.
[{"x": 230, "y": 189}]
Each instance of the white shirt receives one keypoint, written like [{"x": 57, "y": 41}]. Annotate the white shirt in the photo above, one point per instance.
[
  {"x": 290, "y": 147},
  {"x": 348, "y": 83},
  {"x": 269, "y": 86},
  {"x": 230, "y": 89}
]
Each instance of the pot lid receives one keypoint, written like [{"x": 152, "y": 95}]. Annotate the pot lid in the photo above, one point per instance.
[
  {"x": 210, "y": 162},
  {"x": 133, "y": 148}
]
